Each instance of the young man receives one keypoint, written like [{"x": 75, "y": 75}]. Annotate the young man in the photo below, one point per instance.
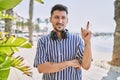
[{"x": 60, "y": 55}]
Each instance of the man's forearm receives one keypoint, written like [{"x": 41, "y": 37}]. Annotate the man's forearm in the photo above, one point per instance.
[
  {"x": 51, "y": 67},
  {"x": 87, "y": 57}
]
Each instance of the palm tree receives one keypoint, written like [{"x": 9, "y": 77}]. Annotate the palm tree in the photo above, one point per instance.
[
  {"x": 116, "y": 48},
  {"x": 30, "y": 24},
  {"x": 46, "y": 20},
  {"x": 36, "y": 26},
  {"x": 8, "y": 21},
  {"x": 9, "y": 11}
]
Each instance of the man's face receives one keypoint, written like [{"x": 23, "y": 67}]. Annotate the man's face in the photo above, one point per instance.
[{"x": 59, "y": 20}]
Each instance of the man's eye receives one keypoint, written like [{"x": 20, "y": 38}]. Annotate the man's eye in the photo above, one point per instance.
[
  {"x": 63, "y": 17},
  {"x": 56, "y": 17}
]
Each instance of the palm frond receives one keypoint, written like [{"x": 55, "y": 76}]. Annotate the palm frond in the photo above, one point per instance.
[
  {"x": 17, "y": 62},
  {"x": 9, "y": 46}
]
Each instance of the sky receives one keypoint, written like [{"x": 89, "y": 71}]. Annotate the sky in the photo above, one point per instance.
[{"x": 100, "y": 13}]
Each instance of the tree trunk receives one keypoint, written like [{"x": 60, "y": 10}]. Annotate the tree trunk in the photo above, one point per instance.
[
  {"x": 8, "y": 22},
  {"x": 30, "y": 24},
  {"x": 116, "y": 47}
]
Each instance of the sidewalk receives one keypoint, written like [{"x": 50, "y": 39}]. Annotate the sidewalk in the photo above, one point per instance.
[{"x": 94, "y": 73}]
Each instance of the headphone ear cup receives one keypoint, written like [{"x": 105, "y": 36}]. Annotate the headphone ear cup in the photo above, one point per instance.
[
  {"x": 55, "y": 36},
  {"x": 64, "y": 34}
]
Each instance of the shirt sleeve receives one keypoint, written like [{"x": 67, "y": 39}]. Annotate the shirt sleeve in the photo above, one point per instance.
[
  {"x": 41, "y": 55},
  {"x": 80, "y": 49}
]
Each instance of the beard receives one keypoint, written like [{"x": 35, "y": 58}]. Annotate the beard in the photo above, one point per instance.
[
  {"x": 59, "y": 27},
  {"x": 58, "y": 30}
]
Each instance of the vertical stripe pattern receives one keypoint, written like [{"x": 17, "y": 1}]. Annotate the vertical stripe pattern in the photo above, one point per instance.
[{"x": 49, "y": 50}]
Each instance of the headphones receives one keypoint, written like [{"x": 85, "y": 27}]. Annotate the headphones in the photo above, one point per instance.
[{"x": 53, "y": 34}]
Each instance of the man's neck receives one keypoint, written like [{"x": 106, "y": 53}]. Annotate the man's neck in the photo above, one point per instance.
[{"x": 59, "y": 35}]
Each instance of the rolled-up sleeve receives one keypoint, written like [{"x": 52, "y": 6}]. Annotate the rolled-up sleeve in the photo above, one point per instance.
[
  {"x": 80, "y": 49},
  {"x": 41, "y": 55}
]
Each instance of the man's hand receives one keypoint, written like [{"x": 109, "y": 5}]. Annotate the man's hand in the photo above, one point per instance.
[
  {"x": 74, "y": 63},
  {"x": 86, "y": 34}
]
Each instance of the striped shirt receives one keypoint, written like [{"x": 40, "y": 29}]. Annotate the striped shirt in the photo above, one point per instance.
[{"x": 49, "y": 50}]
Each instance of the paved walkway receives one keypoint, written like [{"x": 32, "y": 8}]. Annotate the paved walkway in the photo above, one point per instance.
[{"x": 94, "y": 73}]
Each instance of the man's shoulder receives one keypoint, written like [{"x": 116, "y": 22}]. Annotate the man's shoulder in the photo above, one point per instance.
[{"x": 44, "y": 37}]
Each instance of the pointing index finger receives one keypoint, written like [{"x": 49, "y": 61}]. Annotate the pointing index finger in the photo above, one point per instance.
[{"x": 87, "y": 27}]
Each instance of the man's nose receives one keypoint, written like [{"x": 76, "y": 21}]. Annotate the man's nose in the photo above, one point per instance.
[{"x": 60, "y": 20}]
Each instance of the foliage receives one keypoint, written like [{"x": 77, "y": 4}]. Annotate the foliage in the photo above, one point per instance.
[
  {"x": 3, "y": 16},
  {"x": 40, "y": 1},
  {"x": 8, "y": 46},
  {"x": 8, "y": 4}
]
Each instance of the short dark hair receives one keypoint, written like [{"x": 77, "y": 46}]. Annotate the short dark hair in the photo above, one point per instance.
[{"x": 59, "y": 7}]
